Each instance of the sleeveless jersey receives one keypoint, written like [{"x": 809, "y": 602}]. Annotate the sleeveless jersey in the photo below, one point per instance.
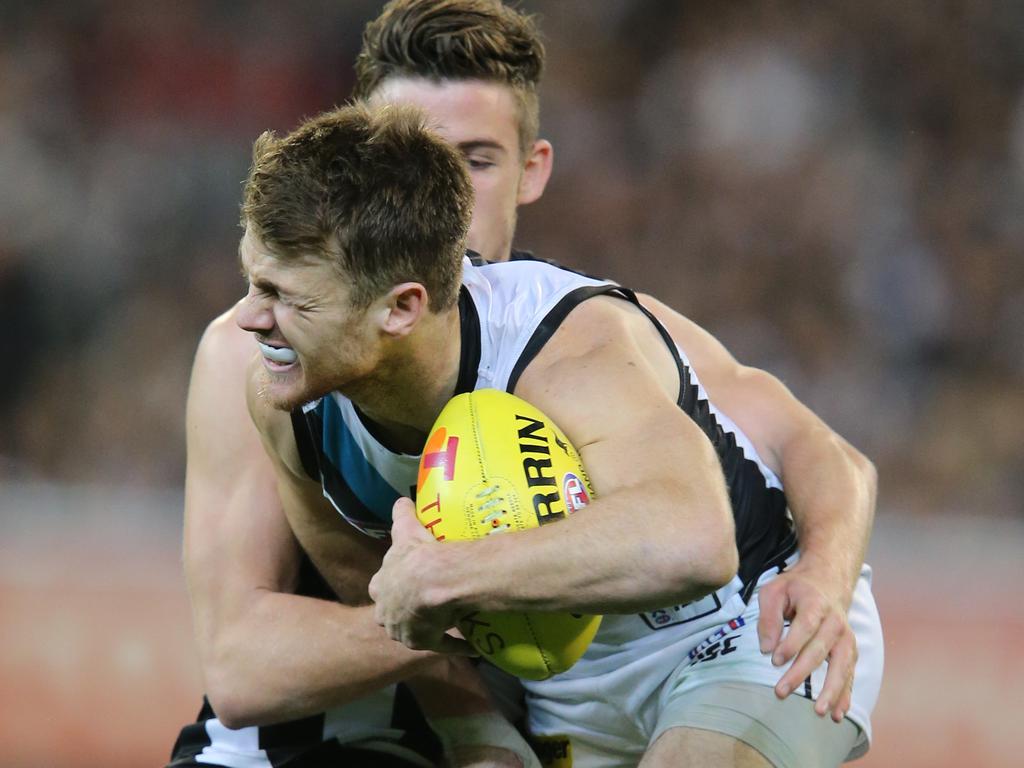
[
  {"x": 508, "y": 312},
  {"x": 388, "y": 717}
]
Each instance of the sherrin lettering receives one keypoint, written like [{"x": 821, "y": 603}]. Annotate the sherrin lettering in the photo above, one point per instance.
[{"x": 494, "y": 464}]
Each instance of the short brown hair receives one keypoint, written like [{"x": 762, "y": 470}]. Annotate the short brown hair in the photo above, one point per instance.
[
  {"x": 370, "y": 189},
  {"x": 456, "y": 40}
]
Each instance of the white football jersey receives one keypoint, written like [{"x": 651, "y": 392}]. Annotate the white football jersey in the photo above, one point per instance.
[{"x": 509, "y": 310}]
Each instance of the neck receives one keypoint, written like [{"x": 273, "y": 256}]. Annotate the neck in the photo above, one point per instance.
[{"x": 417, "y": 377}]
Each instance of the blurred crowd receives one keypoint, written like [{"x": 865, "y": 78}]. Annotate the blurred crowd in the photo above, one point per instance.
[{"x": 835, "y": 189}]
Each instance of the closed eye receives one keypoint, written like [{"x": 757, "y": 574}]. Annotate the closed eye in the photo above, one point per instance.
[{"x": 482, "y": 153}]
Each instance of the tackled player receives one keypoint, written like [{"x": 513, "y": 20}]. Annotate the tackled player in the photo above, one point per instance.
[
  {"x": 354, "y": 232},
  {"x": 271, "y": 649}
]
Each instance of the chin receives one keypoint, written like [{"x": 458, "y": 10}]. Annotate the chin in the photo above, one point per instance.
[{"x": 286, "y": 393}]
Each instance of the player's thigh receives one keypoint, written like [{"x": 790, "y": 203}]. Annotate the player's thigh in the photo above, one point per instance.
[
  {"x": 694, "y": 746},
  {"x": 734, "y": 720}
]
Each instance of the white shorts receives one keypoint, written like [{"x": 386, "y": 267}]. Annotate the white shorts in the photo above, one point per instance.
[{"x": 610, "y": 718}]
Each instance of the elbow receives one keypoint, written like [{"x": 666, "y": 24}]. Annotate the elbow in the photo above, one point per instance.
[
  {"x": 720, "y": 559},
  {"x": 232, "y": 705},
  {"x": 710, "y": 563},
  {"x": 720, "y": 564},
  {"x": 237, "y": 708},
  {"x": 867, "y": 474},
  {"x": 230, "y": 710},
  {"x": 237, "y": 702}
]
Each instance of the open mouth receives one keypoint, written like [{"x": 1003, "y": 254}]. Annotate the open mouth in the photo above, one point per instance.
[{"x": 277, "y": 358}]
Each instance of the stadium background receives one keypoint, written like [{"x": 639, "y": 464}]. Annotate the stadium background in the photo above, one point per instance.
[{"x": 834, "y": 188}]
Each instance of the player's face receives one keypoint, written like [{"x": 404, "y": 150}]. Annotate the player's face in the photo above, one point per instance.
[
  {"x": 310, "y": 337},
  {"x": 481, "y": 120}
]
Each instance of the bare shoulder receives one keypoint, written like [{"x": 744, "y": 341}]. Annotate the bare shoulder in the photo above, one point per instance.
[
  {"x": 217, "y": 417},
  {"x": 707, "y": 354},
  {"x": 229, "y": 426},
  {"x": 606, "y": 363},
  {"x": 216, "y": 389},
  {"x": 224, "y": 349},
  {"x": 607, "y": 335}
]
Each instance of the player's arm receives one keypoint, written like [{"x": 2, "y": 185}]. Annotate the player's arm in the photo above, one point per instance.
[
  {"x": 659, "y": 531},
  {"x": 830, "y": 487},
  {"x": 267, "y": 655},
  {"x": 449, "y": 690}
]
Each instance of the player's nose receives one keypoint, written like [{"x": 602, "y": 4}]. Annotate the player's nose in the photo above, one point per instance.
[{"x": 254, "y": 314}]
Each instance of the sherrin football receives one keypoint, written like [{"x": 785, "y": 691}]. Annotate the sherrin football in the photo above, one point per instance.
[{"x": 493, "y": 465}]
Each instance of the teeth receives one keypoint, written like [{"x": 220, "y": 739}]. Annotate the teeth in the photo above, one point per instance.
[{"x": 283, "y": 355}]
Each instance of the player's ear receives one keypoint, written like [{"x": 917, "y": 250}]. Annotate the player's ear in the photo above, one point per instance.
[
  {"x": 536, "y": 171},
  {"x": 402, "y": 307}
]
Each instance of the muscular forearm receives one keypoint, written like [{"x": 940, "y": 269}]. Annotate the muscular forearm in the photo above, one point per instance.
[
  {"x": 601, "y": 560},
  {"x": 651, "y": 537},
  {"x": 831, "y": 491},
  {"x": 291, "y": 656}
]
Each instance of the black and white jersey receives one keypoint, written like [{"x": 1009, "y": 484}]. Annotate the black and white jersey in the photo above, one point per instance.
[
  {"x": 384, "y": 729},
  {"x": 508, "y": 312}
]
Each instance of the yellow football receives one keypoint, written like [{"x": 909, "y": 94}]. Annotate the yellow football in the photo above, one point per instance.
[{"x": 495, "y": 464}]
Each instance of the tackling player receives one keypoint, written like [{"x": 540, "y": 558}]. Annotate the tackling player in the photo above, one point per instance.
[{"x": 270, "y": 654}]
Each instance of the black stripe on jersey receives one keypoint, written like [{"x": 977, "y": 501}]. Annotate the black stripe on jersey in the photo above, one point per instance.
[
  {"x": 764, "y": 533},
  {"x": 282, "y": 740},
  {"x": 294, "y": 743},
  {"x": 469, "y": 361},
  {"x": 309, "y": 427},
  {"x": 337, "y": 488},
  {"x": 469, "y": 356},
  {"x": 192, "y": 739},
  {"x": 316, "y": 752},
  {"x": 552, "y": 320},
  {"x": 306, "y": 443}
]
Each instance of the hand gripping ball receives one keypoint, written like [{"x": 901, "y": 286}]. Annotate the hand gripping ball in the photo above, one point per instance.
[{"x": 493, "y": 465}]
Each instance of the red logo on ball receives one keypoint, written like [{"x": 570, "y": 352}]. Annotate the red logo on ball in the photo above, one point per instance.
[
  {"x": 437, "y": 457},
  {"x": 575, "y": 493}
]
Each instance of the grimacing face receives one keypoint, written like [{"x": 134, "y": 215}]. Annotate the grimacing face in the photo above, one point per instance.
[
  {"x": 311, "y": 339},
  {"x": 480, "y": 119}
]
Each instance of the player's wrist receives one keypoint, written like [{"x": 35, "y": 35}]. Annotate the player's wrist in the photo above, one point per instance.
[
  {"x": 828, "y": 573},
  {"x": 446, "y": 584}
]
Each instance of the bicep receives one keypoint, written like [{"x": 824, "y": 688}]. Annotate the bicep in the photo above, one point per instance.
[
  {"x": 611, "y": 384},
  {"x": 609, "y": 381}
]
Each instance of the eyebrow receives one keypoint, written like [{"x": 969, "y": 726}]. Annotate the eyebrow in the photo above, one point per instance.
[
  {"x": 260, "y": 283},
  {"x": 469, "y": 146}
]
